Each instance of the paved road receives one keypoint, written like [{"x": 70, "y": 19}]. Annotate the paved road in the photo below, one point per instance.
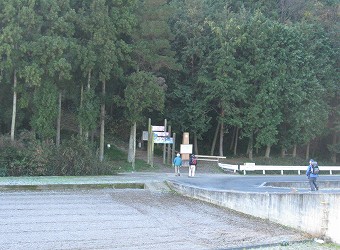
[
  {"x": 255, "y": 183},
  {"x": 87, "y": 218},
  {"x": 248, "y": 183}
]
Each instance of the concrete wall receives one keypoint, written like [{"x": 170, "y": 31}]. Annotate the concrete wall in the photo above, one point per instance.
[{"x": 315, "y": 213}]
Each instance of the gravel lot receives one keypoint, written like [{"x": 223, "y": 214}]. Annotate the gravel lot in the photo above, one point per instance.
[{"x": 128, "y": 219}]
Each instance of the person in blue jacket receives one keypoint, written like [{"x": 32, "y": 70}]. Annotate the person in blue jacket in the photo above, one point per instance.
[
  {"x": 177, "y": 163},
  {"x": 312, "y": 176}
]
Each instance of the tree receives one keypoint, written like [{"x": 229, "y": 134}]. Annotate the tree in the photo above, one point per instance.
[
  {"x": 44, "y": 118},
  {"x": 18, "y": 26},
  {"x": 52, "y": 49},
  {"x": 151, "y": 55},
  {"x": 144, "y": 93},
  {"x": 192, "y": 41},
  {"x": 106, "y": 25}
]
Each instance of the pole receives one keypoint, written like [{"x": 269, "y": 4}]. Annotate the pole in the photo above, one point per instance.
[
  {"x": 173, "y": 146},
  {"x": 164, "y": 145},
  {"x": 169, "y": 148},
  {"x": 149, "y": 141}
]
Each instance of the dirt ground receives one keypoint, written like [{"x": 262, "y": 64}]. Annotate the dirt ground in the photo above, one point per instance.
[
  {"x": 203, "y": 166},
  {"x": 127, "y": 219}
]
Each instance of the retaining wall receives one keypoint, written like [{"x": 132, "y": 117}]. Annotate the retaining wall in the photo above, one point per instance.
[{"x": 315, "y": 213}]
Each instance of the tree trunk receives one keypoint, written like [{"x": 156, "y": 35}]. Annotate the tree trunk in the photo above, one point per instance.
[
  {"x": 221, "y": 138},
  {"x": 294, "y": 150},
  {"x": 232, "y": 138},
  {"x": 283, "y": 152},
  {"x": 102, "y": 124},
  {"x": 215, "y": 139},
  {"x": 88, "y": 88},
  {"x": 307, "y": 150},
  {"x": 14, "y": 111},
  {"x": 59, "y": 120},
  {"x": 334, "y": 142},
  {"x": 250, "y": 147},
  {"x": 195, "y": 144},
  {"x": 236, "y": 140},
  {"x": 81, "y": 105},
  {"x": 267, "y": 155},
  {"x": 132, "y": 146}
]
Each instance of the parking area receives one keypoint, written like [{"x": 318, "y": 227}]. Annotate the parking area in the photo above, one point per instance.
[{"x": 126, "y": 219}]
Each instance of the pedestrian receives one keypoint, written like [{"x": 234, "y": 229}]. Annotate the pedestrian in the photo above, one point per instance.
[
  {"x": 312, "y": 174},
  {"x": 192, "y": 165},
  {"x": 177, "y": 163}
]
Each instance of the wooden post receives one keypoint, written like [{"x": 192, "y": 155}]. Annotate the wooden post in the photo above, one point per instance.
[
  {"x": 185, "y": 141},
  {"x": 173, "y": 147},
  {"x": 164, "y": 145},
  {"x": 134, "y": 146},
  {"x": 169, "y": 148},
  {"x": 149, "y": 141},
  {"x": 152, "y": 149}
]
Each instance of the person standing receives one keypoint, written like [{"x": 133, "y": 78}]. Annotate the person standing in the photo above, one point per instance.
[
  {"x": 312, "y": 174},
  {"x": 177, "y": 162},
  {"x": 192, "y": 165}
]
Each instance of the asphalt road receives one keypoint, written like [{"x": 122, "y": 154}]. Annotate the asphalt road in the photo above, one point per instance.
[{"x": 73, "y": 216}]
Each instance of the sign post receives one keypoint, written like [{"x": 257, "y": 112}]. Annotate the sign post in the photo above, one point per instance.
[
  {"x": 164, "y": 146},
  {"x": 149, "y": 141},
  {"x": 173, "y": 146},
  {"x": 159, "y": 135},
  {"x": 169, "y": 147},
  {"x": 186, "y": 149}
]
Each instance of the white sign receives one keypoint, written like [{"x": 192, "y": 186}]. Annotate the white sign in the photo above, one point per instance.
[
  {"x": 145, "y": 136},
  {"x": 157, "y": 128},
  {"x": 186, "y": 149}
]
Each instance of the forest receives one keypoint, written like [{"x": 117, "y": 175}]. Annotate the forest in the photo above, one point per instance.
[{"x": 250, "y": 78}]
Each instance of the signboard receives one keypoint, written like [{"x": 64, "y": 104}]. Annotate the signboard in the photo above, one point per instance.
[
  {"x": 145, "y": 136},
  {"x": 186, "y": 149},
  {"x": 157, "y": 128},
  {"x": 164, "y": 140},
  {"x": 166, "y": 134}
]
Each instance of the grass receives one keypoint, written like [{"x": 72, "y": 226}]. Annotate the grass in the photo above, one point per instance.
[{"x": 118, "y": 158}]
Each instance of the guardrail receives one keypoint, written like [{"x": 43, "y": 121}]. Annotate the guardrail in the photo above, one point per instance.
[
  {"x": 210, "y": 158},
  {"x": 253, "y": 167}
]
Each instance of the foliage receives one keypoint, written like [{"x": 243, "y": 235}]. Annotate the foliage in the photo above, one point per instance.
[
  {"x": 78, "y": 157},
  {"x": 143, "y": 94},
  {"x": 46, "y": 111},
  {"x": 268, "y": 69},
  {"x": 26, "y": 156},
  {"x": 88, "y": 112}
]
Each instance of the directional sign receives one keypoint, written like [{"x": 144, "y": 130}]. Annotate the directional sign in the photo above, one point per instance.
[
  {"x": 165, "y": 134},
  {"x": 157, "y": 128},
  {"x": 164, "y": 140}
]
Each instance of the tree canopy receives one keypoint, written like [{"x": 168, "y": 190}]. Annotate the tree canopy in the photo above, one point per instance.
[{"x": 263, "y": 75}]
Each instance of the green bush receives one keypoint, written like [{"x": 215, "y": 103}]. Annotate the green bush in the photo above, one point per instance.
[
  {"x": 77, "y": 156},
  {"x": 24, "y": 156},
  {"x": 28, "y": 156}
]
